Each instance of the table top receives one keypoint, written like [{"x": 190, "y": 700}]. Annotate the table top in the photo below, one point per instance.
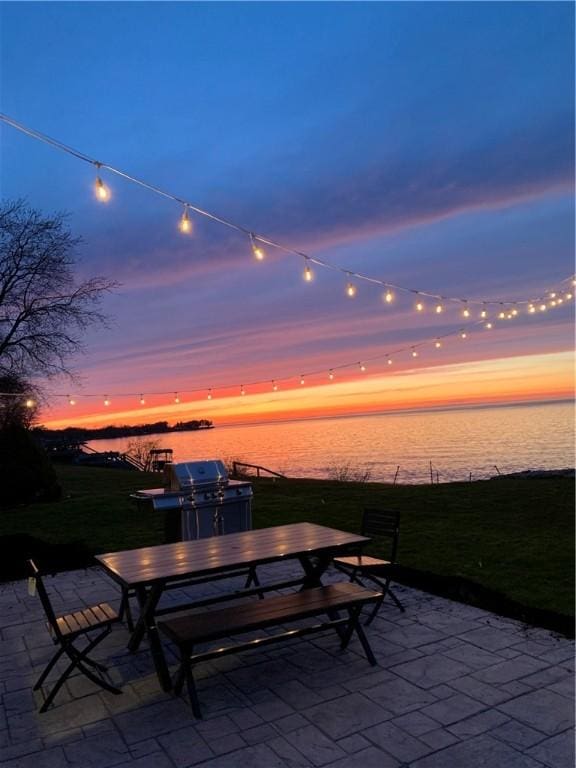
[{"x": 221, "y": 553}]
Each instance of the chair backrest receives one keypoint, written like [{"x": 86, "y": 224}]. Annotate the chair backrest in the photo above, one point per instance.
[
  {"x": 382, "y": 523},
  {"x": 44, "y": 599}
]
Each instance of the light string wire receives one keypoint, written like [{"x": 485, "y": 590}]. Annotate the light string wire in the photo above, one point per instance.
[
  {"x": 188, "y": 206},
  {"x": 388, "y": 356}
]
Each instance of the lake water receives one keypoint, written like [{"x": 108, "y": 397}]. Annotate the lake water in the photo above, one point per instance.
[{"x": 457, "y": 442}]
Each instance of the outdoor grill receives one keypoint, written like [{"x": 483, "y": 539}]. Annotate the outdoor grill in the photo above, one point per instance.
[{"x": 200, "y": 501}]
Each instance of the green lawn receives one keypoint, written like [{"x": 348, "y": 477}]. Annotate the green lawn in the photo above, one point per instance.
[{"x": 512, "y": 536}]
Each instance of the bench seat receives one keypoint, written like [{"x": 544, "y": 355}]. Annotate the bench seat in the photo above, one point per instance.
[{"x": 187, "y": 631}]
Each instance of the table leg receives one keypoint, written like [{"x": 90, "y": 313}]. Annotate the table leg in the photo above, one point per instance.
[
  {"x": 314, "y": 570},
  {"x": 147, "y": 623}
]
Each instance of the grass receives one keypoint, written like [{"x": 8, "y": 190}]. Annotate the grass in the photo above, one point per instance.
[{"x": 513, "y": 536}]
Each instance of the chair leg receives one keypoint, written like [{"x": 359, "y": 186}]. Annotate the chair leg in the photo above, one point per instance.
[
  {"x": 396, "y": 601},
  {"x": 77, "y": 659},
  {"x": 49, "y": 667}
]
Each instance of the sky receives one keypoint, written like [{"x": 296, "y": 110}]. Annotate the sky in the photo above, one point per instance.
[{"x": 429, "y": 145}]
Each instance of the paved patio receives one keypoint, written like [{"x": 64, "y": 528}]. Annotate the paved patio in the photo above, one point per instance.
[{"x": 456, "y": 687}]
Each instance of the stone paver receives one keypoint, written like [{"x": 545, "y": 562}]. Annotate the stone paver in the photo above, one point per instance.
[{"x": 454, "y": 686}]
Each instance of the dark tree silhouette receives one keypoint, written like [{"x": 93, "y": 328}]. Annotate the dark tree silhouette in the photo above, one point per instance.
[{"x": 43, "y": 308}]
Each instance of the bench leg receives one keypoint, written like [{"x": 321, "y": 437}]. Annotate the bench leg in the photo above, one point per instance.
[
  {"x": 192, "y": 693},
  {"x": 362, "y": 637}
]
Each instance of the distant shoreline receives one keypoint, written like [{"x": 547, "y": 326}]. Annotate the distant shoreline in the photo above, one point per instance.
[{"x": 84, "y": 435}]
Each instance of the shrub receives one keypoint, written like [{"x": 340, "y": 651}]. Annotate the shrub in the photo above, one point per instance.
[{"x": 26, "y": 473}]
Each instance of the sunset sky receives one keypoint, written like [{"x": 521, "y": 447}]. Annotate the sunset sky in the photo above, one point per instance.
[{"x": 429, "y": 145}]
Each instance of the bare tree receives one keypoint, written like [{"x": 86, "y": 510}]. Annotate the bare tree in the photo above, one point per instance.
[{"x": 43, "y": 308}]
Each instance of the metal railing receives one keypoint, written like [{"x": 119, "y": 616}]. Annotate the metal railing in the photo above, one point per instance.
[{"x": 257, "y": 467}]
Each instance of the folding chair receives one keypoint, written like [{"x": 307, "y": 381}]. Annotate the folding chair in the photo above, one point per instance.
[
  {"x": 65, "y": 630},
  {"x": 378, "y": 524}
]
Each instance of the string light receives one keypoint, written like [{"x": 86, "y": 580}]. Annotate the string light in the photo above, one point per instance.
[
  {"x": 185, "y": 225},
  {"x": 351, "y": 290},
  {"x": 465, "y": 312},
  {"x": 543, "y": 307},
  {"x": 388, "y": 297},
  {"x": 257, "y": 250},
  {"x": 483, "y": 314},
  {"x": 419, "y": 306},
  {"x": 463, "y": 335},
  {"x": 439, "y": 309},
  {"x": 101, "y": 191},
  {"x": 103, "y": 194},
  {"x": 308, "y": 274},
  {"x": 531, "y": 309}
]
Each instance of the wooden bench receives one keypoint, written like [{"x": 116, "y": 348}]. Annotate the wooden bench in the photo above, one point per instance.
[{"x": 192, "y": 629}]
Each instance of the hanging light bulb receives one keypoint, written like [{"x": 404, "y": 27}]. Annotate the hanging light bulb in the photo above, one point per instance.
[
  {"x": 388, "y": 296},
  {"x": 176, "y": 398},
  {"x": 308, "y": 274},
  {"x": 302, "y": 380},
  {"x": 242, "y": 390},
  {"x": 552, "y": 295},
  {"x": 257, "y": 250},
  {"x": 543, "y": 307},
  {"x": 209, "y": 395},
  {"x": 71, "y": 400},
  {"x": 142, "y": 401},
  {"x": 463, "y": 335},
  {"x": 351, "y": 290},
  {"x": 101, "y": 191},
  {"x": 514, "y": 312},
  {"x": 466, "y": 312},
  {"x": 568, "y": 296},
  {"x": 185, "y": 225},
  {"x": 553, "y": 303},
  {"x": 483, "y": 314},
  {"x": 414, "y": 352},
  {"x": 501, "y": 315},
  {"x": 30, "y": 403},
  {"x": 362, "y": 367},
  {"x": 437, "y": 343},
  {"x": 560, "y": 300},
  {"x": 274, "y": 386},
  {"x": 419, "y": 306},
  {"x": 331, "y": 374},
  {"x": 438, "y": 309},
  {"x": 388, "y": 360},
  {"x": 106, "y": 401},
  {"x": 531, "y": 309},
  {"x": 488, "y": 326}
]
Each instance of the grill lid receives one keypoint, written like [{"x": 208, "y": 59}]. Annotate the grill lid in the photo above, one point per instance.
[{"x": 187, "y": 475}]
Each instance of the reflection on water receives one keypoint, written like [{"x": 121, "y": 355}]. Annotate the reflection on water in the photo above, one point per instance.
[{"x": 457, "y": 442}]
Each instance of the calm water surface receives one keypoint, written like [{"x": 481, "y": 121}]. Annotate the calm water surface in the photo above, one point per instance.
[{"x": 457, "y": 442}]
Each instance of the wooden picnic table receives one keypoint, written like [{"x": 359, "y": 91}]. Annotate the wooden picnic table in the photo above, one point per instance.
[{"x": 150, "y": 570}]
